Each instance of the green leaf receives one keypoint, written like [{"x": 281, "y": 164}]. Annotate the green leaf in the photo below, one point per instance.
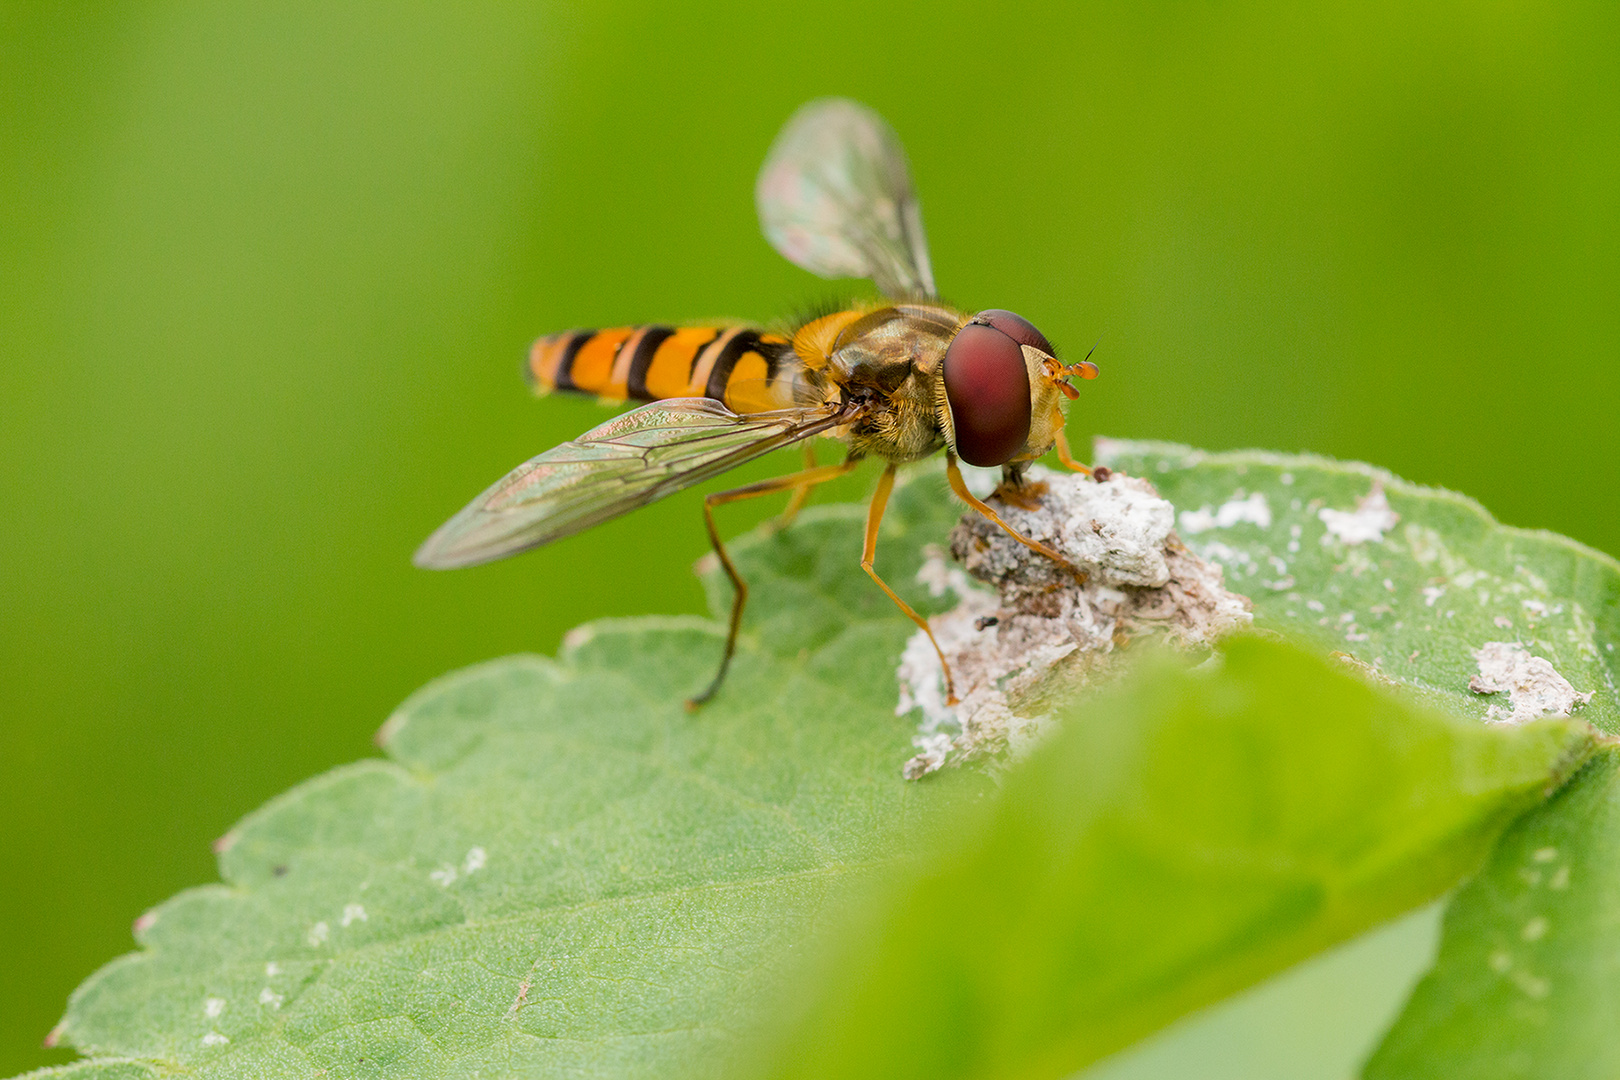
[
  {"x": 102, "y": 1069},
  {"x": 560, "y": 870},
  {"x": 1179, "y": 839},
  {"x": 1529, "y": 966},
  {"x": 1316, "y": 1021},
  {"x": 1420, "y": 602},
  {"x": 1416, "y": 604}
]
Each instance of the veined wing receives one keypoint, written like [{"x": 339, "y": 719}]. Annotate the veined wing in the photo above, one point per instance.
[
  {"x": 835, "y": 197},
  {"x": 630, "y": 461}
]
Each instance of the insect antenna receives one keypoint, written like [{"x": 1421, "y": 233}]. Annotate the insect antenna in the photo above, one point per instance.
[{"x": 1061, "y": 373}]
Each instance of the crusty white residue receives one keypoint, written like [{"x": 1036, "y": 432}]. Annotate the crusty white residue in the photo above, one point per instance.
[
  {"x": 1533, "y": 686},
  {"x": 1138, "y": 579},
  {"x": 1368, "y": 522}
]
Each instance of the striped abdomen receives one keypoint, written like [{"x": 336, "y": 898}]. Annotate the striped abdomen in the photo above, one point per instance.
[{"x": 748, "y": 370}]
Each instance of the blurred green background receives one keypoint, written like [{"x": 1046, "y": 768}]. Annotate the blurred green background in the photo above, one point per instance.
[{"x": 267, "y": 271}]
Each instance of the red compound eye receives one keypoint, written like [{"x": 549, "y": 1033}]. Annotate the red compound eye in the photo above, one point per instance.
[
  {"x": 1016, "y": 327},
  {"x": 987, "y": 390}
]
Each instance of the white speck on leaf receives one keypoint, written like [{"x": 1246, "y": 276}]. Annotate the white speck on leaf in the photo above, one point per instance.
[
  {"x": 1503, "y": 622},
  {"x": 1531, "y": 985},
  {"x": 1533, "y": 685},
  {"x": 1560, "y": 878},
  {"x": 1500, "y": 961},
  {"x": 319, "y": 933},
  {"x": 354, "y": 913},
  {"x": 1545, "y": 854},
  {"x": 1254, "y": 509},
  {"x": 443, "y": 876},
  {"x": 581, "y": 635},
  {"x": 272, "y": 969},
  {"x": 213, "y": 1007},
  {"x": 269, "y": 997},
  {"x": 390, "y": 729},
  {"x": 1369, "y": 521},
  {"x": 214, "y": 1038},
  {"x": 1535, "y": 929},
  {"x": 475, "y": 860}
]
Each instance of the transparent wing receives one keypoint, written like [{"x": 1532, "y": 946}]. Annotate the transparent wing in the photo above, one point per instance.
[
  {"x": 835, "y": 197},
  {"x": 630, "y": 461}
]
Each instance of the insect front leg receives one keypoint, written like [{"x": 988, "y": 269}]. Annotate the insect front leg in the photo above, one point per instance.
[
  {"x": 1061, "y": 441},
  {"x": 874, "y": 517},
  {"x": 739, "y": 597},
  {"x": 960, "y": 487}
]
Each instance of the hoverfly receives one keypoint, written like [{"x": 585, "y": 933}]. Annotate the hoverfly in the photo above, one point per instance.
[{"x": 897, "y": 380}]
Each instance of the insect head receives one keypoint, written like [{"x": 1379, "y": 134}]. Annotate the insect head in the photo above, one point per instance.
[{"x": 988, "y": 388}]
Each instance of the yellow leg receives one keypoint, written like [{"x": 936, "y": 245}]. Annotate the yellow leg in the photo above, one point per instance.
[
  {"x": 800, "y": 493},
  {"x": 874, "y": 517},
  {"x": 1062, "y": 444},
  {"x": 961, "y": 489},
  {"x": 806, "y": 479}
]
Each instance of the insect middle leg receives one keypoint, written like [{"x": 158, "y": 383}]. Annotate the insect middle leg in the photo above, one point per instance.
[
  {"x": 961, "y": 489},
  {"x": 874, "y": 517},
  {"x": 800, "y": 493},
  {"x": 803, "y": 481}
]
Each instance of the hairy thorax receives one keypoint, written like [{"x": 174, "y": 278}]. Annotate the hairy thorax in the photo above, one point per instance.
[{"x": 887, "y": 361}]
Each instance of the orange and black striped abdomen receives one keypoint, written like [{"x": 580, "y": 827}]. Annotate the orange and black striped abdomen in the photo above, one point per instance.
[{"x": 748, "y": 370}]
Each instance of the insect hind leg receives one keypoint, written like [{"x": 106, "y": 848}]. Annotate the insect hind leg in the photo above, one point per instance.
[{"x": 802, "y": 481}]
